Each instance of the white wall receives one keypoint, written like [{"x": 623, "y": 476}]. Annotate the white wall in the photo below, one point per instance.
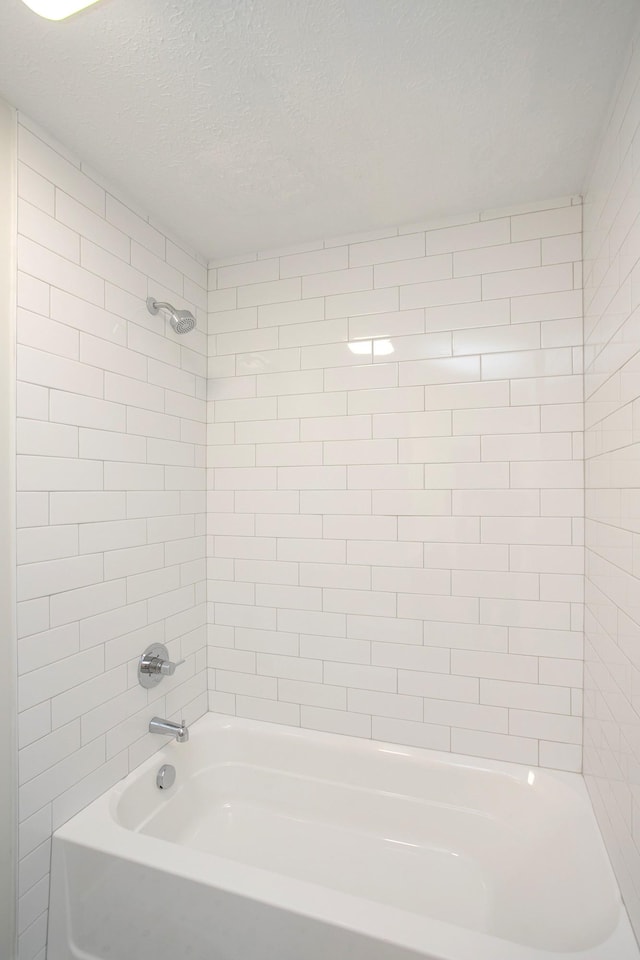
[
  {"x": 396, "y": 533},
  {"x": 8, "y": 781},
  {"x": 111, "y": 456},
  {"x": 612, "y": 455}
]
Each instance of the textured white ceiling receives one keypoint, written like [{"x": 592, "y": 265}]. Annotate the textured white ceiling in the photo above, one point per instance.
[{"x": 247, "y": 124}]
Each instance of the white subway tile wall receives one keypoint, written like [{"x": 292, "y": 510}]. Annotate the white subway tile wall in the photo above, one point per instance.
[
  {"x": 395, "y": 486},
  {"x": 111, "y": 496},
  {"x": 612, "y": 478}
]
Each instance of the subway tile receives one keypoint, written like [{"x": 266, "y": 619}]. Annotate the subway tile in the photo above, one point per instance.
[
  {"x": 86, "y": 602},
  {"x": 438, "y": 686},
  {"x": 323, "y": 551},
  {"x": 526, "y": 613},
  {"x": 446, "y": 370},
  {"x": 409, "y": 271},
  {"x": 39, "y": 226},
  {"x": 384, "y": 629},
  {"x": 255, "y": 271},
  {"x": 91, "y": 226},
  {"x": 36, "y": 366},
  {"x": 40, "y": 649},
  {"x": 526, "y": 530},
  {"x": 402, "y": 580},
  {"x": 32, "y": 401},
  {"x": 338, "y": 649},
  {"x": 525, "y": 696},
  {"x": 312, "y": 694},
  {"x": 385, "y": 704},
  {"x": 365, "y": 302},
  {"x": 462, "y": 316},
  {"x": 99, "y": 263},
  {"x": 438, "y": 293},
  {"x": 422, "y": 607},
  {"x": 545, "y": 726},
  {"x": 42, "y": 158},
  {"x": 49, "y": 681},
  {"x": 547, "y": 223},
  {"x": 524, "y": 336},
  {"x": 36, "y": 189},
  {"x": 155, "y": 268},
  {"x": 546, "y": 306},
  {"x": 384, "y": 400},
  {"x": 123, "y": 390},
  {"x": 440, "y": 450},
  {"x": 129, "y": 223},
  {"x": 273, "y": 711},
  {"x": 87, "y": 317},
  {"x": 32, "y": 294},
  {"x": 316, "y": 262},
  {"x": 335, "y": 721},
  {"x": 383, "y": 250},
  {"x": 310, "y": 333},
  {"x": 349, "y": 576},
  {"x": 562, "y": 249},
  {"x": 363, "y": 527},
  {"x": 477, "y": 743},
  {"x": 417, "y": 424},
  {"x": 38, "y": 437},
  {"x": 470, "y": 716},
  {"x": 56, "y": 576},
  {"x": 283, "y": 314},
  {"x": 411, "y": 502},
  {"x": 528, "y": 363},
  {"x": 56, "y": 473},
  {"x": 439, "y": 529},
  {"x": 270, "y": 292},
  {"x": 495, "y": 666},
  {"x": 462, "y": 476},
  {"x": 467, "y": 236},
  {"x": 279, "y": 384},
  {"x": 366, "y": 602},
  {"x": 554, "y": 446},
  {"x": 411, "y": 733},
  {"x": 497, "y": 258},
  {"x": 360, "y": 676},
  {"x": 384, "y": 553},
  {"x": 496, "y": 503},
  {"x": 355, "y": 427},
  {"x": 470, "y": 636},
  {"x": 527, "y": 282},
  {"x": 397, "y": 323},
  {"x": 337, "y": 282},
  {"x": 456, "y": 396}
]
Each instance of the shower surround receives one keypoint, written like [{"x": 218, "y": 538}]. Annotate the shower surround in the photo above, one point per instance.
[
  {"x": 612, "y": 398},
  {"x": 395, "y": 474},
  {"x": 394, "y": 502},
  {"x": 111, "y": 496}
]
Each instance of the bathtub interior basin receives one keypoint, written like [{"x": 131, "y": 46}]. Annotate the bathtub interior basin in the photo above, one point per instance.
[{"x": 441, "y": 856}]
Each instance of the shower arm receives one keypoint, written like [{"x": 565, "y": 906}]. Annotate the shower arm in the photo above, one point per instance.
[{"x": 155, "y": 305}]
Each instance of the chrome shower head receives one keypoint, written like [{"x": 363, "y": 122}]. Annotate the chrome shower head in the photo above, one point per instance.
[{"x": 182, "y": 321}]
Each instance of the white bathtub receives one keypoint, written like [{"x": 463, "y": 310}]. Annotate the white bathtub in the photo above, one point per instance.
[{"x": 282, "y": 844}]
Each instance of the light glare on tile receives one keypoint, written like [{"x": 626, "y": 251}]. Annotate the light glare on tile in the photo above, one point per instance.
[
  {"x": 381, "y": 348},
  {"x": 57, "y": 9},
  {"x": 360, "y": 346}
]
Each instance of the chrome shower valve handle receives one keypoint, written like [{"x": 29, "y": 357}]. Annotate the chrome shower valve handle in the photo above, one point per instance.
[{"x": 155, "y": 664}]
